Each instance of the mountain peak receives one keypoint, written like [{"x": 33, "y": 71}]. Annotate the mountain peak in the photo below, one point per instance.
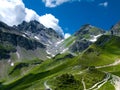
[
  {"x": 116, "y": 26},
  {"x": 32, "y": 24},
  {"x": 116, "y": 29},
  {"x": 86, "y": 27},
  {"x": 89, "y": 29}
]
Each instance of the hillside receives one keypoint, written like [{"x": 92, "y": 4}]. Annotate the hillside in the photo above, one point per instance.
[
  {"x": 89, "y": 59},
  {"x": 20, "y": 44},
  {"x": 66, "y": 71},
  {"x": 79, "y": 41}
]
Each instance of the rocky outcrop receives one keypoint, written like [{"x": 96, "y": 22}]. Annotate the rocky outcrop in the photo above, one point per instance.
[
  {"x": 80, "y": 45},
  {"x": 87, "y": 35},
  {"x": 28, "y": 37},
  {"x": 115, "y": 30},
  {"x": 10, "y": 39},
  {"x": 89, "y": 29},
  {"x": 39, "y": 32}
]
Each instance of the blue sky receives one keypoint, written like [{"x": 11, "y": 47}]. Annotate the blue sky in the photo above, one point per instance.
[
  {"x": 64, "y": 16},
  {"x": 72, "y": 15}
]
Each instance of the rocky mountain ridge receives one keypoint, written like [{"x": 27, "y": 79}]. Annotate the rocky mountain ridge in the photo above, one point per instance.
[
  {"x": 51, "y": 40},
  {"x": 115, "y": 30},
  {"x": 30, "y": 33},
  {"x": 87, "y": 35},
  {"x": 39, "y": 32}
]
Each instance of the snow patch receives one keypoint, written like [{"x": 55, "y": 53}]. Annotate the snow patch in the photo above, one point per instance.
[
  {"x": 18, "y": 55},
  {"x": 24, "y": 35},
  {"x": 48, "y": 57},
  {"x": 64, "y": 50},
  {"x": 48, "y": 52},
  {"x": 49, "y": 42},
  {"x": 36, "y": 37},
  {"x": 94, "y": 39},
  {"x": 59, "y": 42},
  {"x": 52, "y": 55},
  {"x": 12, "y": 64}
]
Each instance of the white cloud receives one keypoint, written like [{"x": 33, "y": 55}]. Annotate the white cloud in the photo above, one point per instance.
[
  {"x": 54, "y": 3},
  {"x": 67, "y": 35},
  {"x": 13, "y": 12},
  {"x": 104, "y": 4},
  {"x": 51, "y": 22},
  {"x": 31, "y": 15}
]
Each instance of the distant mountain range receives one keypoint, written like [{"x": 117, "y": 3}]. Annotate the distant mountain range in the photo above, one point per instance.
[{"x": 35, "y": 57}]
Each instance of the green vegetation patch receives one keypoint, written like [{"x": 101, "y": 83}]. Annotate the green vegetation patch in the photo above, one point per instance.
[{"x": 67, "y": 82}]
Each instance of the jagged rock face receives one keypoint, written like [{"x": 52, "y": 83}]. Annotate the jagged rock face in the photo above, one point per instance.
[
  {"x": 80, "y": 45},
  {"x": 36, "y": 30},
  {"x": 85, "y": 37},
  {"x": 10, "y": 39},
  {"x": 16, "y": 46},
  {"x": 18, "y": 40},
  {"x": 29, "y": 36},
  {"x": 116, "y": 29},
  {"x": 5, "y": 26}
]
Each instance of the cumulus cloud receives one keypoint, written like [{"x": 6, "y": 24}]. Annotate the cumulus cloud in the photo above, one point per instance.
[
  {"x": 67, "y": 35},
  {"x": 13, "y": 12},
  {"x": 54, "y": 3},
  {"x": 51, "y": 22},
  {"x": 31, "y": 15},
  {"x": 104, "y": 4}
]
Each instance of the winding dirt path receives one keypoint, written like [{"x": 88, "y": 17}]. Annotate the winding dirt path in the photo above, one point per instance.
[
  {"x": 97, "y": 85},
  {"x": 47, "y": 86},
  {"x": 113, "y": 64},
  {"x": 84, "y": 86}
]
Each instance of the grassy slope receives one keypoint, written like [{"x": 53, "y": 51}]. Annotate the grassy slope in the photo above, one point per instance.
[
  {"x": 67, "y": 42},
  {"x": 100, "y": 53},
  {"x": 105, "y": 51},
  {"x": 107, "y": 86}
]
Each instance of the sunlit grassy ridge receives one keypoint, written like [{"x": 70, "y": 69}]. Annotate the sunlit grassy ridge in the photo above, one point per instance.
[{"x": 105, "y": 51}]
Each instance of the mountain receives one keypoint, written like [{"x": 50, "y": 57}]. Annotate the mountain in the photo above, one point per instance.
[
  {"x": 87, "y": 35},
  {"x": 80, "y": 40},
  {"x": 88, "y": 60},
  {"x": 18, "y": 42},
  {"x": 116, "y": 29},
  {"x": 46, "y": 36},
  {"x": 27, "y": 42},
  {"x": 30, "y": 36},
  {"x": 96, "y": 68},
  {"x": 36, "y": 30}
]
